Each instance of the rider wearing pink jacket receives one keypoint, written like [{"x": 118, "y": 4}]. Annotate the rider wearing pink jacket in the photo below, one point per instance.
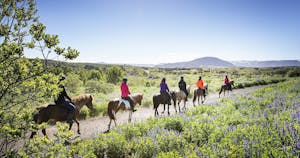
[
  {"x": 125, "y": 93},
  {"x": 226, "y": 80}
]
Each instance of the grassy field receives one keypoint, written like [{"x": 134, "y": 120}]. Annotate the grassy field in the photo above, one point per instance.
[{"x": 147, "y": 80}]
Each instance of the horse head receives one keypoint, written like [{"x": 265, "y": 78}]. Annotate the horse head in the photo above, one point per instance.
[
  {"x": 89, "y": 103},
  {"x": 137, "y": 98},
  {"x": 232, "y": 83}
]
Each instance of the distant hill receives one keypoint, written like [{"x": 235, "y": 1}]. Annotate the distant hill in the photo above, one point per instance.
[
  {"x": 271, "y": 63},
  {"x": 200, "y": 62}
]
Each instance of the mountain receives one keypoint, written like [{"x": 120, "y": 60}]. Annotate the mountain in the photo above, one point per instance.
[
  {"x": 200, "y": 62},
  {"x": 270, "y": 63}
]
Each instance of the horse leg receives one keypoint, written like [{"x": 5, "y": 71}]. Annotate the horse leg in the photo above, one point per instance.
[
  {"x": 130, "y": 114},
  {"x": 115, "y": 123},
  {"x": 168, "y": 109},
  {"x": 220, "y": 92},
  {"x": 164, "y": 109},
  {"x": 179, "y": 105},
  {"x": 175, "y": 108},
  {"x": 109, "y": 125},
  {"x": 44, "y": 132},
  {"x": 78, "y": 129},
  {"x": 194, "y": 99},
  {"x": 155, "y": 112}
]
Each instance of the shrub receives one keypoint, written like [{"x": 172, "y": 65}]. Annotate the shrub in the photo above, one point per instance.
[
  {"x": 99, "y": 109},
  {"x": 175, "y": 124},
  {"x": 294, "y": 72},
  {"x": 145, "y": 148},
  {"x": 94, "y": 86},
  {"x": 73, "y": 83},
  {"x": 114, "y": 74}
]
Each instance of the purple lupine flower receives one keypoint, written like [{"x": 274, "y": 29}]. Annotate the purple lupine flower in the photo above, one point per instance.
[
  {"x": 266, "y": 115},
  {"x": 298, "y": 145},
  {"x": 245, "y": 144},
  {"x": 283, "y": 131}
]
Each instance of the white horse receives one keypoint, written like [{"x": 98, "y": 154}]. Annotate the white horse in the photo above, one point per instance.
[{"x": 181, "y": 96}]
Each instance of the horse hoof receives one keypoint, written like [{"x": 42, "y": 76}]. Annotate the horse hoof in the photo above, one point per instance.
[{"x": 107, "y": 131}]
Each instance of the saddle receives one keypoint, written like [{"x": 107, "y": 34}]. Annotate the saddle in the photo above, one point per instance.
[{"x": 126, "y": 102}]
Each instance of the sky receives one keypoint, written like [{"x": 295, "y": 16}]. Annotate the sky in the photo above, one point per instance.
[{"x": 164, "y": 31}]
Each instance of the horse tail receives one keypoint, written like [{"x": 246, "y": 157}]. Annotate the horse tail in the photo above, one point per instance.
[
  {"x": 195, "y": 95},
  {"x": 35, "y": 117},
  {"x": 155, "y": 102},
  {"x": 110, "y": 110},
  {"x": 221, "y": 90}
]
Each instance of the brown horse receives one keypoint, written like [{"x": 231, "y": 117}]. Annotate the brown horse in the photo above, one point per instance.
[
  {"x": 181, "y": 96},
  {"x": 225, "y": 87},
  {"x": 162, "y": 99},
  {"x": 59, "y": 113},
  {"x": 199, "y": 93},
  {"x": 114, "y": 106}
]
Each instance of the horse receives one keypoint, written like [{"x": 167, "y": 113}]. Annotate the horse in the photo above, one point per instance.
[
  {"x": 199, "y": 93},
  {"x": 180, "y": 96},
  {"x": 114, "y": 106},
  {"x": 162, "y": 99},
  {"x": 59, "y": 113},
  {"x": 225, "y": 87}
]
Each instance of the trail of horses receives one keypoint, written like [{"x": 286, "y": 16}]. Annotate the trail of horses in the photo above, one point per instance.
[{"x": 90, "y": 128}]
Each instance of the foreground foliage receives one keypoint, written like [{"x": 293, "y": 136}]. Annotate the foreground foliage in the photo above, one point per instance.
[{"x": 24, "y": 82}]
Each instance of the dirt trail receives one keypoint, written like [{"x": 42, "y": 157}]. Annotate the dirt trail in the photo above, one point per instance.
[{"x": 92, "y": 127}]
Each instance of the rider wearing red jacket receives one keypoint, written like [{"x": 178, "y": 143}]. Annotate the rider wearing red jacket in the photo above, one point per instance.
[{"x": 125, "y": 93}]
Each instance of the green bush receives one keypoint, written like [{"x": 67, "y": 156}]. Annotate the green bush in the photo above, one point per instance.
[
  {"x": 84, "y": 113},
  {"x": 175, "y": 124},
  {"x": 294, "y": 72},
  {"x": 73, "y": 83},
  {"x": 94, "y": 86},
  {"x": 99, "y": 109},
  {"x": 145, "y": 148},
  {"x": 114, "y": 74}
]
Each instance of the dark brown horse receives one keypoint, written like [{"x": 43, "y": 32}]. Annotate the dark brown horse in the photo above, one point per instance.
[
  {"x": 59, "y": 113},
  {"x": 227, "y": 87},
  {"x": 163, "y": 99},
  {"x": 114, "y": 106},
  {"x": 199, "y": 93}
]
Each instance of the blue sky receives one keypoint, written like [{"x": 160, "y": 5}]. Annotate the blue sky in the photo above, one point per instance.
[{"x": 161, "y": 31}]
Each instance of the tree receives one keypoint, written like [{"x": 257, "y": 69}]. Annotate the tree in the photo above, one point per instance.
[
  {"x": 114, "y": 74},
  {"x": 24, "y": 82}
]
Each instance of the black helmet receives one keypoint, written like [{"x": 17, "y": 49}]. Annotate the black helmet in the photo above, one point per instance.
[
  {"x": 200, "y": 77},
  {"x": 181, "y": 77},
  {"x": 124, "y": 80}
]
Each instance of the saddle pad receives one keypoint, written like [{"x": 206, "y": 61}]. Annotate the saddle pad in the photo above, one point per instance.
[{"x": 126, "y": 102}]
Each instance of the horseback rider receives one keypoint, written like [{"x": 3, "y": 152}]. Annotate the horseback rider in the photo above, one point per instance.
[
  {"x": 125, "y": 93},
  {"x": 200, "y": 85},
  {"x": 164, "y": 90},
  {"x": 226, "y": 81},
  {"x": 64, "y": 100},
  {"x": 182, "y": 86}
]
